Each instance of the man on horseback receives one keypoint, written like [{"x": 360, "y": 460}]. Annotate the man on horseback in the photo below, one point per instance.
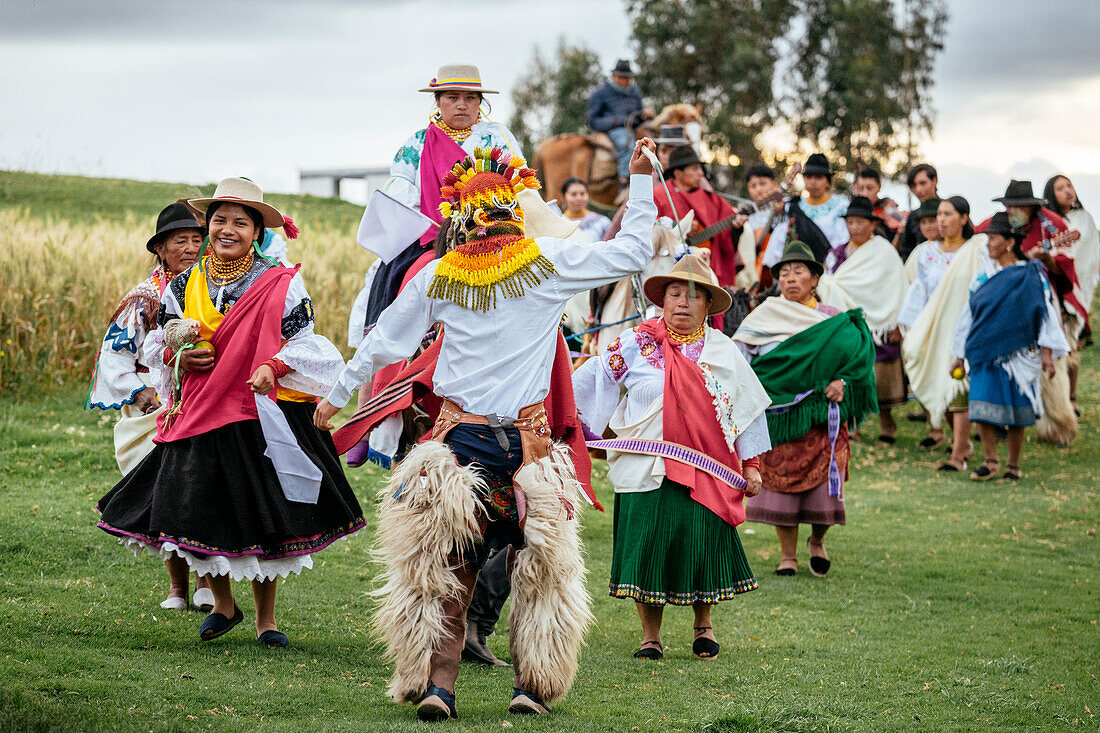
[{"x": 616, "y": 108}]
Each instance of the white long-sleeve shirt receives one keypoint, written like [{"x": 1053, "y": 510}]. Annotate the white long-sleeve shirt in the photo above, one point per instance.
[{"x": 499, "y": 361}]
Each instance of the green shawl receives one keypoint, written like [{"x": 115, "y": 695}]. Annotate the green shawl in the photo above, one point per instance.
[{"x": 838, "y": 348}]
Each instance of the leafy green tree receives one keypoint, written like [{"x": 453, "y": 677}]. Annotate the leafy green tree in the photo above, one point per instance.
[
  {"x": 861, "y": 77},
  {"x": 552, "y": 96}
]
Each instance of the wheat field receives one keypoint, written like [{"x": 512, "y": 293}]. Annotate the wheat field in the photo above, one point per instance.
[{"x": 62, "y": 281}]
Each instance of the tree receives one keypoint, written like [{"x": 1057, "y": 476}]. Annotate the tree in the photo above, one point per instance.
[
  {"x": 850, "y": 76},
  {"x": 861, "y": 78},
  {"x": 720, "y": 53},
  {"x": 551, "y": 97}
]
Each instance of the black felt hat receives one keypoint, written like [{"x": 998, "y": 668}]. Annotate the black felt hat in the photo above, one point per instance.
[
  {"x": 817, "y": 165},
  {"x": 622, "y": 66},
  {"x": 999, "y": 224},
  {"x": 930, "y": 207},
  {"x": 861, "y": 206},
  {"x": 681, "y": 157},
  {"x": 1019, "y": 193},
  {"x": 175, "y": 216}
]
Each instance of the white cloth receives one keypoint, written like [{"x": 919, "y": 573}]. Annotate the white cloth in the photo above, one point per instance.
[
  {"x": 314, "y": 361},
  {"x": 122, "y": 357},
  {"x": 133, "y": 436},
  {"x": 247, "y": 567},
  {"x": 388, "y": 226},
  {"x": 1024, "y": 366},
  {"x": 298, "y": 475},
  {"x": 635, "y": 363},
  {"x": 872, "y": 278},
  {"x": 829, "y": 218},
  {"x": 499, "y": 361},
  {"x": 746, "y": 247},
  {"x": 1086, "y": 252},
  {"x": 357, "y": 320},
  {"x": 926, "y": 348},
  {"x": 776, "y": 320},
  {"x": 929, "y": 263}
]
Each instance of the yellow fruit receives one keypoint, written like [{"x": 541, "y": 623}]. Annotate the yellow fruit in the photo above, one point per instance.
[
  {"x": 958, "y": 373},
  {"x": 205, "y": 345}
]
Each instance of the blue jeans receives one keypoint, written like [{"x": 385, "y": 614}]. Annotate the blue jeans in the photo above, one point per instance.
[{"x": 623, "y": 141}]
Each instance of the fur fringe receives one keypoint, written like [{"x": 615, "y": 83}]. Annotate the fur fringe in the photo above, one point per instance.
[
  {"x": 1058, "y": 423},
  {"x": 551, "y": 608},
  {"x": 426, "y": 510}
]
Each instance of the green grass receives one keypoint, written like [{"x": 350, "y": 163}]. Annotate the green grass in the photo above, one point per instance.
[
  {"x": 75, "y": 197},
  {"x": 951, "y": 606}
]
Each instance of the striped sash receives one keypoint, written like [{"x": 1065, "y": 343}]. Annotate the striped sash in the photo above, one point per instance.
[{"x": 676, "y": 452}]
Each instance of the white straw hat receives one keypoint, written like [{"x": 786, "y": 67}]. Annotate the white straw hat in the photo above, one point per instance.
[
  {"x": 457, "y": 77},
  {"x": 244, "y": 192}
]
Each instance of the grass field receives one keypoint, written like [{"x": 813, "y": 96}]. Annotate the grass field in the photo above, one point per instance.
[{"x": 951, "y": 606}]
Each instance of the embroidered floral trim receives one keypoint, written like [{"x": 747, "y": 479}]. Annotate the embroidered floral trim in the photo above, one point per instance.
[
  {"x": 723, "y": 406},
  {"x": 615, "y": 360},
  {"x": 660, "y": 598}
]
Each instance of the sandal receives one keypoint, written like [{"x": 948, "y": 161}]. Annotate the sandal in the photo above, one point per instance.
[
  {"x": 1013, "y": 473},
  {"x": 887, "y": 439},
  {"x": 272, "y": 638},
  {"x": 985, "y": 471},
  {"x": 788, "y": 571},
  {"x": 217, "y": 624},
  {"x": 436, "y": 704},
  {"x": 650, "y": 652},
  {"x": 949, "y": 466},
  {"x": 819, "y": 564},
  {"x": 527, "y": 703},
  {"x": 931, "y": 443},
  {"x": 702, "y": 647}
]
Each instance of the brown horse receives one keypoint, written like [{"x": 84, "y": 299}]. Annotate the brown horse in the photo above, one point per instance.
[{"x": 591, "y": 158}]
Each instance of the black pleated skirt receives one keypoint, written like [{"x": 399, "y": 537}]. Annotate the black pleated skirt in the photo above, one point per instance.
[{"x": 218, "y": 494}]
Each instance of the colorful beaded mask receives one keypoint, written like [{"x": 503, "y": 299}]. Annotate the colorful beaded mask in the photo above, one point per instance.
[{"x": 479, "y": 197}]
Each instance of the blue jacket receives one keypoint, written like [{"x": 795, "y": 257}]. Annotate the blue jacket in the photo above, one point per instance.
[{"x": 610, "y": 105}]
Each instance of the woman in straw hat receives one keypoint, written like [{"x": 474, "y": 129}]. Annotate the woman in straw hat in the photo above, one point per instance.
[
  {"x": 240, "y": 485},
  {"x": 675, "y": 540},
  {"x": 456, "y": 127},
  {"x": 818, "y": 368},
  {"x": 122, "y": 380}
]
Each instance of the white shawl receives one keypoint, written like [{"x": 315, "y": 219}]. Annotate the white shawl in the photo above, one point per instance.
[
  {"x": 776, "y": 319},
  {"x": 926, "y": 350},
  {"x": 872, "y": 278}
]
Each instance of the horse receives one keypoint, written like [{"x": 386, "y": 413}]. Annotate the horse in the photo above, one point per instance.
[
  {"x": 591, "y": 158},
  {"x": 625, "y": 298}
]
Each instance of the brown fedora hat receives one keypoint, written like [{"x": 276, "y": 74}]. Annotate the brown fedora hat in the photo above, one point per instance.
[{"x": 693, "y": 270}]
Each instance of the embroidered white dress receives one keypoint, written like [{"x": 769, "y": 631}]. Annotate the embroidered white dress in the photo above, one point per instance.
[
  {"x": 829, "y": 218},
  {"x": 635, "y": 362},
  {"x": 930, "y": 262}
]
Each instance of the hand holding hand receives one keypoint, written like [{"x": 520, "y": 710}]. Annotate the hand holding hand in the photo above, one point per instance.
[
  {"x": 263, "y": 380},
  {"x": 322, "y": 416},
  {"x": 639, "y": 163}
]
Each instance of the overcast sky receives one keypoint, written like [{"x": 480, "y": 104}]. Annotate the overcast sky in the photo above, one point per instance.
[{"x": 201, "y": 90}]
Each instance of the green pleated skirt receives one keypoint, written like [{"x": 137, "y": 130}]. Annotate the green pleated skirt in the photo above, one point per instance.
[{"x": 670, "y": 549}]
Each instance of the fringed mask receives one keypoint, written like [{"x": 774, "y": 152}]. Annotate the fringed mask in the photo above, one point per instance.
[{"x": 491, "y": 251}]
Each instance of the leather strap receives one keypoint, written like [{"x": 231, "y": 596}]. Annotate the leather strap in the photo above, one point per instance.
[{"x": 532, "y": 424}]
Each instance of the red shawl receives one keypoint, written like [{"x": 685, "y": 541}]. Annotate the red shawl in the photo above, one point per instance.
[
  {"x": 250, "y": 334},
  {"x": 414, "y": 384},
  {"x": 689, "y": 420},
  {"x": 709, "y": 207},
  {"x": 439, "y": 156}
]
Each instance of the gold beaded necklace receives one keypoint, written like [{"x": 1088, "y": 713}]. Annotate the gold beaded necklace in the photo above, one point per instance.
[
  {"x": 690, "y": 338},
  {"x": 459, "y": 136},
  {"x": 223, "y": 273}
]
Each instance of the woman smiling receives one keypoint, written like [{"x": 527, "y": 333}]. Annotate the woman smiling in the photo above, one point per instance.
[{"x": 240, "y": 484}]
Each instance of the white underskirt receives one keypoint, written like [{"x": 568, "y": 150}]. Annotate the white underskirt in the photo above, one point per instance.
[{"x": 249, "y": 567}]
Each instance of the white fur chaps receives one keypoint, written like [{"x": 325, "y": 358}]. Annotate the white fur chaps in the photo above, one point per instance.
[
  {"x": 1058, "y": 423},
  {"x": 551, "y": 608},
  {"x": 427, "y": 509}
]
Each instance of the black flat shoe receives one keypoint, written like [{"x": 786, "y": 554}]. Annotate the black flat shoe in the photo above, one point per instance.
[
  {"x": 786, "y": 571},
  {"x": 1013, "y": 473},
  {"x": 931, "y": 443},
  {"x": 650, "y": 652},
  {"x": 887, "y": 439},
  {"x": 436, "y": 704},
  {"x": 217, "y": 624},
  {"x": 985, "y": 471},
  {"x": 272, "y": 638},
  {"x": 704, "y": 648}
]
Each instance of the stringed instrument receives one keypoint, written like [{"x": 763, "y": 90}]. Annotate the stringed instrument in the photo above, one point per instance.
[
  {"x": 776, "y": 200},
  {"x": 1060, "y": 241},
  {"x": 701, "y": 236}
]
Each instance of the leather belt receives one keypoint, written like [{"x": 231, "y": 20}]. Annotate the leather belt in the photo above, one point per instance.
[{"x": 532, "y": 424}]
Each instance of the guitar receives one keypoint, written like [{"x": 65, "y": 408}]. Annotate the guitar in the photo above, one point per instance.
[
  {"x": 700, "y": 236},
  {"x": 1060, "y": 241},
  {"x": 775, "y": 200}
]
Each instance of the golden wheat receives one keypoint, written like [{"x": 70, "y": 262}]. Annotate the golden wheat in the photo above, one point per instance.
[{"x": 60, "y": 282}]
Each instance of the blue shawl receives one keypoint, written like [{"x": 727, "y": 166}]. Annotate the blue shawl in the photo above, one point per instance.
[{"x": 1006, "y": 311}]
